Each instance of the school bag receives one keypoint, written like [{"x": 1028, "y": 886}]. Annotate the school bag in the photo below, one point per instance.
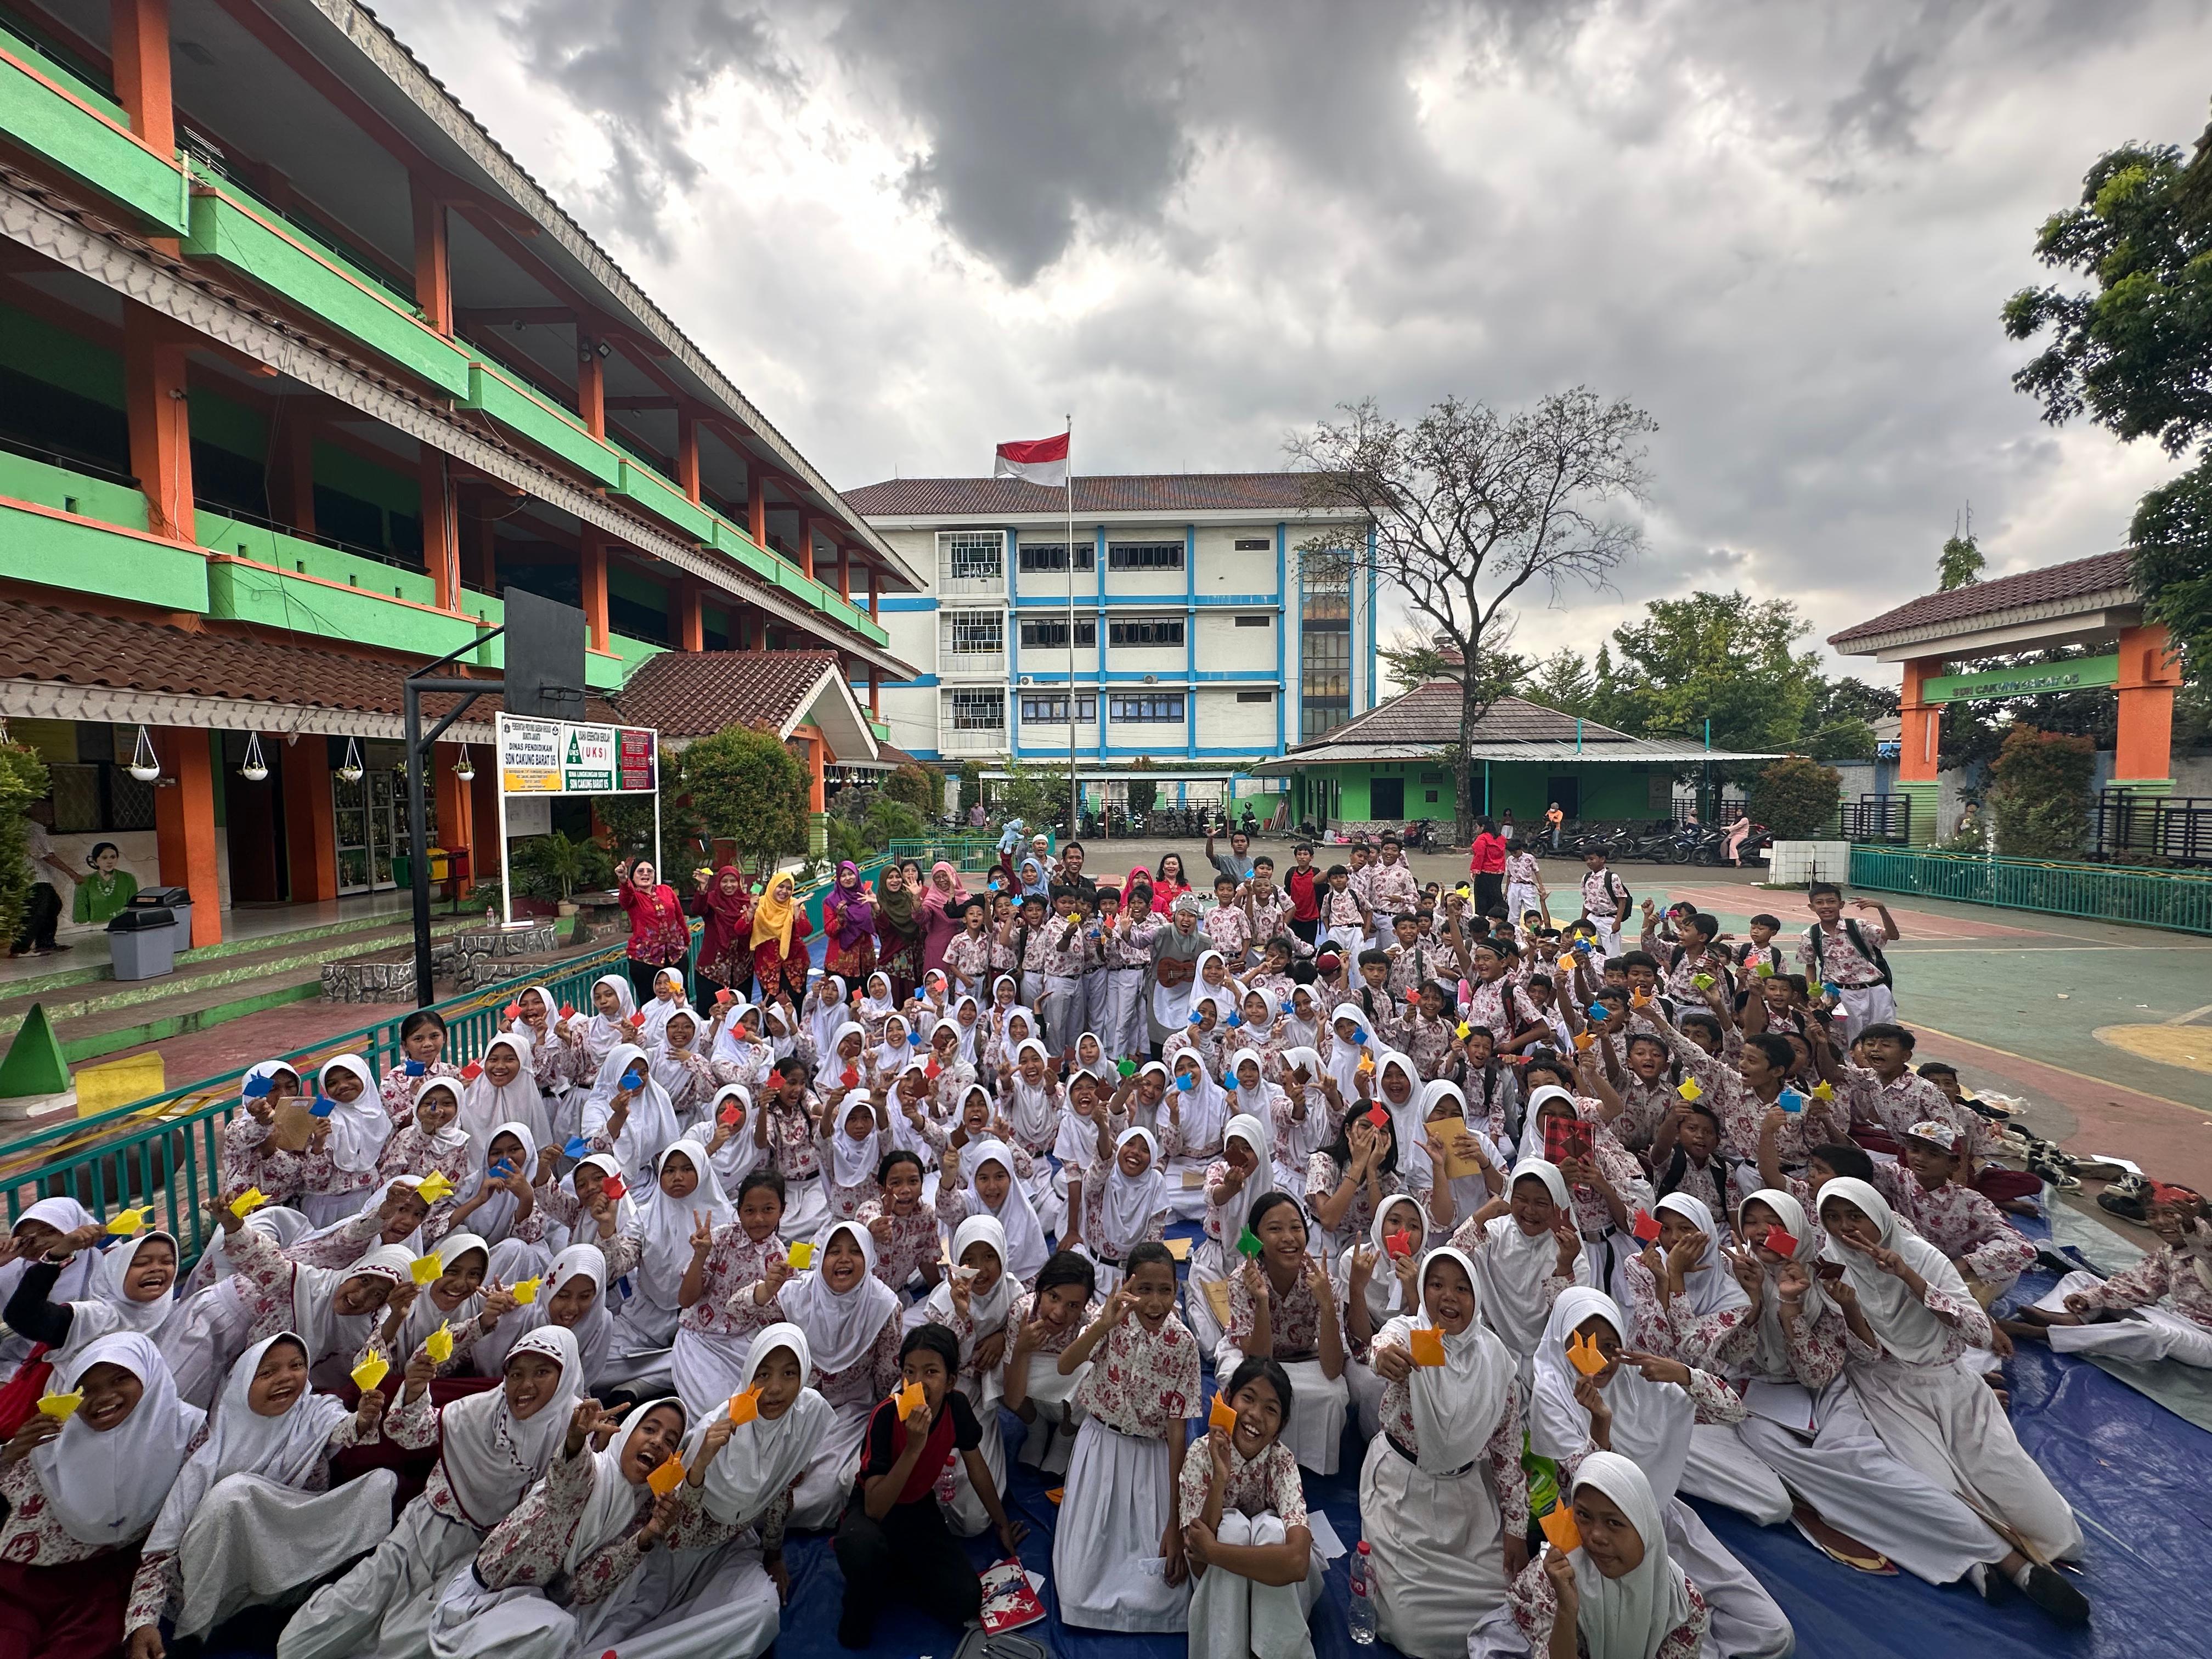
[{"x": 1870, "y": 952}]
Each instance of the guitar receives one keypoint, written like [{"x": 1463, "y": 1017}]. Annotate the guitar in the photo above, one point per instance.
[{"x": 1171, "y": 971}]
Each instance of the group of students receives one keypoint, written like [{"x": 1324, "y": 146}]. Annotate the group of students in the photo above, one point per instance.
[{"x": 1562, "y": 1231}]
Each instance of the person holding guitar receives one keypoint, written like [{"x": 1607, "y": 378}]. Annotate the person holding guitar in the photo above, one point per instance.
[{"x": 1174, "y": 953}]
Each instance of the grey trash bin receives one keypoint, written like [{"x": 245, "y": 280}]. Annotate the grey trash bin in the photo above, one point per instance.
[
  {"x": 143, "y": 941},
  {"x": 177, "y": 902}
]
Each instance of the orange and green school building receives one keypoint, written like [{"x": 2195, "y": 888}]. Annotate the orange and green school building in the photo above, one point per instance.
[{"x": 299, "y": 372}]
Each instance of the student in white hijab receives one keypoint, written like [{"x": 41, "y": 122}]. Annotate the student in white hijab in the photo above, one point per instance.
[
  {"x": 1621, "y": 1591},
  {"x": 359, "y": 1128},
  {"x": 648, "y": 1121},
  {"x": 572, "y": 1297},
  {"x": 132, "y": 1289},
  {"x": 1518, "y": 1258},
  {"x": 252, "y": 1517},
  {"x": 606, "y": 1031},
  {"x": 825, "y": 1011},
  {"x": 81, "y": 1494},
  {"x": 973, "y": 1302},
  {"x": 1193, "y": 1117},
  {"x": 1909, "y": 1306},
  {"x": 452, "y": 1299},
  {"x": 334, "y": 1310},
  {"x": 1438, "y": 1482},
  {"x": 1210, "y": 1261},
  {"x": 493, "y": 1446},
  {"x": 1408, "y": 1127},
  {"x": 35, "y": 1231},
  {"x": 645, "y": 1325},
  {"x": 1647, "y": 1405},
  {"x": 667, "y": 997},
  {"x": 486, "y": 1105},
  {"x": 1025, "y": 1247},
  {"x": 1308, "y": 1123}
]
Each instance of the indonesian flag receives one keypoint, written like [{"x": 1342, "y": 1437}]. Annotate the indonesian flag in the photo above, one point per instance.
[{"x": 1040, "y": 460}]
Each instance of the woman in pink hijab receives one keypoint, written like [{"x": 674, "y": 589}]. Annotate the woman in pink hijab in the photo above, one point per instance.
[{"x": 941, "y": 907}]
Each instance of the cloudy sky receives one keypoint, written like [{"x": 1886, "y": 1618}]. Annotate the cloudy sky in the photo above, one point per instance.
[{"x": 911, "y": 230}]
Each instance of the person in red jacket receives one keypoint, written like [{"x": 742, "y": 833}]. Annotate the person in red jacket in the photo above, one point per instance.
[
  {"x": 1304, "y": 883},
  {"x": 1486, "y": 861}
]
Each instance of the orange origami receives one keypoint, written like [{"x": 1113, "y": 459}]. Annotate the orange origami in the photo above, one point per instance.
[
  {"x": 1582, "y": 1351},
  {"x": 1222, "y": 1415},
  {"x": 1428, "y": 1346},
  {"x": 743, "y": 1407},
  {"x": 1560, "y": 1528},
  {"x": 667, "y": 1478},
  {"x": 910, "y": 1399}
]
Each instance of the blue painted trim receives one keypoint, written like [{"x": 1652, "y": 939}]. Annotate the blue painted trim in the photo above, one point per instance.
[
  {"x": 1167, "y": 679},
  {"x": 1163, "y": 602},
  {"x": 918, "y": 681},
  {"x": 1282, "y": 573},
  {"x": 1371, "y": 617},
  {"x": 1098, "y": 572},
  {"x": 1013, "y": 642},
  {"x": 907, "y": 602},
  {"x": 1190, "y": 622}
]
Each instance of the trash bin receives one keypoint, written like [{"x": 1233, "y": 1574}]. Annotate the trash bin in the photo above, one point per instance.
[
  {"x": 141, "y": 939},
  {"x": 177, "y": 902}
]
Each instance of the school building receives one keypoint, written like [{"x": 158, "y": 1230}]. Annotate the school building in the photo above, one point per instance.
[
  {"x": 1390, "y": 765},
  {"x": 1187, "y": 627},
  {"x": 299, "y": 372}
]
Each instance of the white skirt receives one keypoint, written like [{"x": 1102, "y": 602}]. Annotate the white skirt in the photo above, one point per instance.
[
  {"x": 1051, "y": 1437},
  {"x": 384, "y": 1606},
  {"x": 819, "y": 1497},
  {"x": 708, "y": 1368},
  {"x": 1747, "y": 1622},
  {"x": 2145, "y": 1334},
  {"x": 1107, "y": 1567},
  {"x": 1725, "y": 1470},
  {"x": 1437, "y": 1558},
  {"x": 1206, "y": 1269},
  {"x": 471, "y": 1622},
  {"x": 1236, "y": 1618},
  {"x": 716, "y": 1603},
  {"x": 1186, "y": 1203},
  {"x": 806, "y": 1211},
  {"x": 252, "y": 1541}
]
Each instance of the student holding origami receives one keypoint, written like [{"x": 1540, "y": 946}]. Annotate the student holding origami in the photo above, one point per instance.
[
  {"x": 1243, "y": 1512},
  {"x": 2160, "y": 1309},
  {"x": 333, "y": 1310},
  {"x": 1283, "y": 1308},
  {"x": 1613, "y": 1591},
  {"x": 1442, "y": 1498}
]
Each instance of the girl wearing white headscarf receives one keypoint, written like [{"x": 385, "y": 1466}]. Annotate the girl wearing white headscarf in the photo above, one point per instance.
[
  {"x": 593, "y": 1521},
  {"x": 252, "y": 1517},
  {"x": 358, "y": 1129},
  {"x": 87, "y": 1492},
  {"x": 667, "y": 997},
  {"x": 433, "y": 1141},
  {"x": 486, "y": 1104},
  {"x": 35, "y": 1232},
  {"x": 1305, "y": 1121},
  {"x": 1646, "y": 1406},
  {"x": 1193, "y": 1116},
  {"x": 957, "y": 1198},
  {"x": 681, "y": 1066},
  {"x": 653, "y": 1257},
  {"x": 1443, "y": 1105},
  {"x": 454, "y": 1299},
  {"x": 1441, "y": 1494},
  {"x": 609, "y": 1025},
  {"x": 492, "y": 1447},
  {"x": 501, "y": 1208},
  {"x": 741, "y": 1053},
  {"x": 1518, "y": 1258},
  {"x": 1786, "y": 1358},
  {"x": 333, "y": 1310},
  {"x": 576, "y": 1207},
  {"x": 852, "y": 1321},
  {"x": 974, "y": 1302},
  {"x": 1125, "y": 1200},
  {"x": 850, "y": 1161},
  {"x": 1914, "y": 1319},
  {"x": 826, "y": 1009},
  {"x": 1239, "y": 1178},
  {"x": 629, "y": 1114},
  {"x": 1651, "y": 1611},
  {"x": 126, "y": 1293}
]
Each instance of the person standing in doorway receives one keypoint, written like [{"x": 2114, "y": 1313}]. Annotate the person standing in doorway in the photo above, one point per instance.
[
  {"x": 42, "y": 909},
  {"x": 1557, "y": 821}
]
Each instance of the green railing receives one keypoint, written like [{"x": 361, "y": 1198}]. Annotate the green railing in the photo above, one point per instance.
[
  {"x": 966, "y": 854},
  {"x": 2148, "y": 898}
]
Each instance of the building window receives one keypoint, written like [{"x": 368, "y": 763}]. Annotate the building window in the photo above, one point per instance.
[
  {"x": 975, "y": 633},
  {"x": 1051, "y": 632},
  {"x": 1145, "y": 631},
  {"x": 972, "y": 555},
  {"x": 1256, "y": 696},
  {"x": 1052, "y": 710},
  {"x": 1144, "y": 556},
  {"x": 1324, "y": 645},
  {"x": 1160, "y": 706},
  {"x": 979, "y": 711},
  {"x": 1052, "y": 556},
  {"x": 1260, "y": 621},
  {"x": 1252, "y": 544}
]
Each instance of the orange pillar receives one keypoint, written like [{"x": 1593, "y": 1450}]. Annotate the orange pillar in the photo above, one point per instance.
[
  {"x": 441, "y": 535},
  {"x": 805, "y": 546},
  {"x": 183, "y": 826},
  {"x": 687, "y": 618},
  {"x": 844, "y": 572},
  {"x": 1921, "y": 724},
  {"x": 456, "y": 831},
  {"x": 311, "y": 839},
  {"x": 816, "y": 797},
  {"x": 594, "y": 573},
  {"x": 158, "y": 418},
  {"x": 138, "y": 42},
  {"x": 591, "y": 387},
  {"x": 756, "y": 507},
  {"x": 2148, "y": 675},
  {"x": 434, "y": 282},
  {"x": 875, "y": 691},
  {"x": 292, "y": 469},
  {"x": 687, "y": 454}
]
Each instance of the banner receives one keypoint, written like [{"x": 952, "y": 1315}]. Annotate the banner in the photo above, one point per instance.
[
  {"x": 561, "y": 758},
  {"x": 2077, "y": 674}
]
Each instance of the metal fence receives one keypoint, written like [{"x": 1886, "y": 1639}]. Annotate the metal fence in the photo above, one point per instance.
[
  {"x": 2150, "y": 899},
  {"x": 2179, "y": 828},
  {"x": 1887, "y": 819}
]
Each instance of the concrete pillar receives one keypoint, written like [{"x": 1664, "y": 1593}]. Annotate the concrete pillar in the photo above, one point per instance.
[
  {"x": 311, "y": 833},
  {"x": 687, "y": 454},
  {"x": 434, "y": 283},
  {"x": 687, "y": 621},
  {"x": 441, "y": 533},
  {"x": 591, "y": 387},
  {"x": 2143, "y": 754},
  {"x": 594, "y": 574},
  {"x": 183, "y": 826},
  {"x": 292, "y": 469},
  {"x": 805, "y": 546},
  {"x": 1919, "y": 738},
  {"x": 756, "y": 506},
  {"x": 160, "y": 420},
  {"x": 139, "y": 43}
]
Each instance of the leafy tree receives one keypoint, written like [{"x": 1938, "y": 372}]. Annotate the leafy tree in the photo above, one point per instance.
[
  {"x": 1467, "y": 505},
  {"x": 1794, "y": 798},
  {"x": 1959, "y": 564},
  {"x": 1037, "y": 795},
  {"x": 2134, "y": 353},
  {"x": 971, "y": 784},
  {"x": 1409, "y": 660},
  {"x": 22, "y": 781},
  {"x": 2041, "y": 798},
  {"x": 1562, "y": 681},
  {"x": 1722, "y": 657},
  {"x": 749, "y": 789},
  {"x": 918, "y": 787}
]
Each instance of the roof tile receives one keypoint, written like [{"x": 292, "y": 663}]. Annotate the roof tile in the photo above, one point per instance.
[
  {"x": 1429, "y": 715},
  {"x": 2101, "y": 572},
  {"x": 692, "y": 693}
]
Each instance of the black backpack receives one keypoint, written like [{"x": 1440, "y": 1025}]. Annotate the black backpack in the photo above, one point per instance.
[{"x": 1871, "y": 952}]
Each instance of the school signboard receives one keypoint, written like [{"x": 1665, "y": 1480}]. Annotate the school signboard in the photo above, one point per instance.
[{"x": 560, "y": 757}]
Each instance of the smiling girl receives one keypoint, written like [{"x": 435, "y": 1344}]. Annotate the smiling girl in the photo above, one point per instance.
[
  {"x": 1044, "y": 1321},
  {"x": 727, "y": 1258},
  {"x": 1243, "y": 1515},
  {"x": 1283, "y": 1307}
]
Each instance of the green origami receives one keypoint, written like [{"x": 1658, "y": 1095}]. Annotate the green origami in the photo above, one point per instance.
[
  {"x": 1248, "y": 1243},
  {"x": 1127, "y": 1067}
]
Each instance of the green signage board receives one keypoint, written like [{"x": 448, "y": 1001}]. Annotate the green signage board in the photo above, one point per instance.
[{"x": 2083, "y": 674}]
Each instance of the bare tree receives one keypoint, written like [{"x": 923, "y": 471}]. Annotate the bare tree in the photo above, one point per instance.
[{"x": 1467, "y": 505}]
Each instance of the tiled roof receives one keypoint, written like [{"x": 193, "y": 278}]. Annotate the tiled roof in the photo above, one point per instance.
[
  {"x": 2077, "y": 579},
  {"x": 1428, "y": 716},
  {"x": 693, "y": 693},
  {"x": 1131, "y": 492},
  {"x": 51, "y": 644}
]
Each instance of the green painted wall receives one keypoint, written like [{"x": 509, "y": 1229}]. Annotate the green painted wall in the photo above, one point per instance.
[
  {"x": 40, "y": 119},
  {"x": 36, "y": 548},
  {"x": 1610, "y": 791},
  {"x": 26, "y": 480}
]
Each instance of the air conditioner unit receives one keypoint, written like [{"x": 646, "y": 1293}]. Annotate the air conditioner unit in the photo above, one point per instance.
[
  {"x": 1026, "y": 680},
  {"x": 1151, "y": 679}
]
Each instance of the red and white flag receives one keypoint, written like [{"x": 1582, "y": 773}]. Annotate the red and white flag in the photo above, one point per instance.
[{"x": 1040, "y": 460}]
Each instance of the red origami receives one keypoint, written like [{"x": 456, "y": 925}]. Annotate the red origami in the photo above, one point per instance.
[
  {"x": 1378, "y": 1117},
  {"x": 513, "y": 1011},
  {"x": 932, "y": 1069},
  {"x": 1412, "y": 998},
  {"x": 568, "y": 1011},
  {"x": 472, "y": 1072},
  {"x": 1646, "y": 1228},
  {"x": 613, "y": 1187},
  {"x": 1780, "y": 1242},
  {"x": 733, "y": 1114},
  {"x": 851, "y": 1076},
  {"x": 1399, "y": 1243}
]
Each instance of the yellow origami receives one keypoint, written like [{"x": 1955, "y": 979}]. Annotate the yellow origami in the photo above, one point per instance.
[
  {"x": 1466, "y": 1031},
  {"x": 370, "y": 1372},
  {"x": 1221, "y": 1415},
  {"x": 525, "y": 1292},
  {"x": 434, "y": 1186},
  {"x": 424, "y": 1269},
  {"x": 1583, "y": 1351},
  {"x": 1691, "y": 1088},
  {"x": 801, "y": 1256},
  {"x": 439, "y": 1344},
  {"x": 61, "y": 1406},
  {"x": 248, "y": 1201},
  {"x": 128, "y": 1224},
  {"x": 1824, "y": 1090}
]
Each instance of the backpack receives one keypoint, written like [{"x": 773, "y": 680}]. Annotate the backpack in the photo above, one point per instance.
[{"x": 1870, "y": 952}]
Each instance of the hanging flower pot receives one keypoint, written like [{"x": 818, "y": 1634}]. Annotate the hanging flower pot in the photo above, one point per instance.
[
  {"x": 253, "y": 769},
  {"x": 145, "y": 764},
  {"x": 351, "y": 770},
  {"x": 465, "y": 768}
]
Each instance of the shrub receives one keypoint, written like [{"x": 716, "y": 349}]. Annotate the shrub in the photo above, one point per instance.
[
  {"x": 2040, "y": 798},
  {"x": 751, "y": 790},
  {"x": 971, "y": 784},
  {"x": 916, "y": 787},
  {"x": 1795, "y": 798},
  {"x": 554, "y": 866},
  {"x": 22, "y": 781}
]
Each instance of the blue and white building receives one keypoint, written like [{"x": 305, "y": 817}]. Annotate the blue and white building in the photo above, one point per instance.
[{"x": 1202, "y": 638}]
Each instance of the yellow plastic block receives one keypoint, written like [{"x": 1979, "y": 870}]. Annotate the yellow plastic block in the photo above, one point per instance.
[{"x": 115, "y": 1083}]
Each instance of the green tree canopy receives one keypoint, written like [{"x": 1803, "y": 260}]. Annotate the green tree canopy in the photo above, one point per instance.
[
  {"x": 749, "y": 789},
  {"x": 1722, "y": 657},
  {"x": 2133, "y": 352},
  {"x": 1959, "y": 564}
]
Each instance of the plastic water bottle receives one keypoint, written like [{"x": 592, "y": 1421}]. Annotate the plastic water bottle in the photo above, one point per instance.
[{"x": 1361, "y": 1616}]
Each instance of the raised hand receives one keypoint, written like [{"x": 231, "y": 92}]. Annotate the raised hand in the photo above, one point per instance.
[
  {"x": 1591, "y": 1398},
  {"x": 1657, "y": 1368},
  {"x": 1791, "y": 1281},
  {"x": 1561, "y": 1571},
  {"x": 1569, "y": 1242},
  {"x": 1748, "y": 1274},
  {"x": 703, "y": 1232}
]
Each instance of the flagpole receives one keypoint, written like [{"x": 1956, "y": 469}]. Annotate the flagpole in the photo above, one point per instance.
[{"x": 1074, "y": 791}]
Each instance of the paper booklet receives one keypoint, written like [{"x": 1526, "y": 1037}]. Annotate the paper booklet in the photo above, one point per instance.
[
  {"x": 1790, "y": 1404},
  {"x": 1010, "y": 1599}
]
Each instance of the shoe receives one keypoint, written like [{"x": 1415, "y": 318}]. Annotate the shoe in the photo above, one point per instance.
[{"x": 2047, "y": 1588}]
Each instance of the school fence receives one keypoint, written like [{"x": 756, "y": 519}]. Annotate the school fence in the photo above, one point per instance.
[
  {"x": 2151, "y": 898},
  {"x": 969, "y": 854}
]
